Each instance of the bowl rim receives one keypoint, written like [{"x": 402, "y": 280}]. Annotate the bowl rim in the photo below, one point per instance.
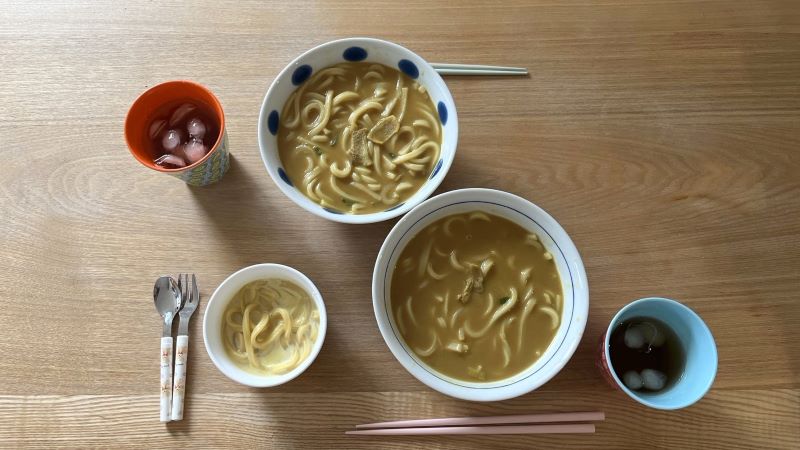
[
  {"x": 427, "y": 188},
  {"x": 561, "y": 355},
  {"x": 276, "y": 271}
]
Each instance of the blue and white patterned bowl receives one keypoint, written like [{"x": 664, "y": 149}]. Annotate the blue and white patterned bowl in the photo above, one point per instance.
[{"x": 355, "y": 49}]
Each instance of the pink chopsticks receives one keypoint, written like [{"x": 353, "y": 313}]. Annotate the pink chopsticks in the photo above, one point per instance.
[
  {"x": 557, "y": 423},
  {"x": 494, "y": 429}
]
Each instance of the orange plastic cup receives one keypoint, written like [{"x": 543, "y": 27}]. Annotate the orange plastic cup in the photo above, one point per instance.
[{"x": 212, "y": 166}]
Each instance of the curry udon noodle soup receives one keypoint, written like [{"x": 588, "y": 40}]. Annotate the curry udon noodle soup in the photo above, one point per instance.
[
  {"x": 359, "y": 137},
  {"x": 269, "y": 327},
  {"x": 476, "y": 297}
]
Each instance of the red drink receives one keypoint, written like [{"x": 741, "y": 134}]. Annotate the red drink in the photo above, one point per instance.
[{"x": 181, "y": 133}]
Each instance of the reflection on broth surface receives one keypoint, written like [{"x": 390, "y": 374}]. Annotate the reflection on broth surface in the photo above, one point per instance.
[
  {"x": 476, "y": 296},
  {"x": 359, "y": 137}
]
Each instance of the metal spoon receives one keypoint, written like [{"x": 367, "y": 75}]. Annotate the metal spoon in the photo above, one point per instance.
[{"x": 168, "y": 301}]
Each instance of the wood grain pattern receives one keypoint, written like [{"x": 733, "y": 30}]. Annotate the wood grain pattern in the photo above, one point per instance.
[
  {"x": 276, "y": 420},
  {"x": 664, "y": 136}
]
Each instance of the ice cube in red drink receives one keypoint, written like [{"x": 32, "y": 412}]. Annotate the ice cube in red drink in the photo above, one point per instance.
[{"x": 181, "y": 133}]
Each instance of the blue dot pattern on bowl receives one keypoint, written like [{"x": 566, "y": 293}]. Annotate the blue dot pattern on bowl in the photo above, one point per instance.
[
  {"x": 395, "y": 207},
  {"x": 442, "y": 112},
  {"x": 354, "y": 54},
  {"x": 408, "y": 68},
  {"x": 284, "y": 177},
  {"x": 301, "y": 74},
  {"x": 332, "y": 211},
  {"x": 272, "y": 122},
  {"x": 437, "y": 168}
]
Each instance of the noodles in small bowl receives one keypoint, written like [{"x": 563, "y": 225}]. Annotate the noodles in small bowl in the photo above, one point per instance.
[
  {"x": 358, "y": 130},
  {"x": 264, "y": 325}
]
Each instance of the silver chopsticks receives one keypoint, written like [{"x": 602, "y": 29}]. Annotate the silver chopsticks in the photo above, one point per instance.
[{"x": 475, "y": 69}]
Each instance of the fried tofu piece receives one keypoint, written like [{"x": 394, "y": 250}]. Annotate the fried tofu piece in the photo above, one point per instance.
[
  {"x": 384, "y": 129},
  {"x": 469, "y": 285},
  {"x": 359, "y": 152},
  {"x": 474, "y": 282}
]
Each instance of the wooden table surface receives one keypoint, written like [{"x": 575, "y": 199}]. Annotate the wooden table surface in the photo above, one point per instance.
[{"x": 663, "y": 135}]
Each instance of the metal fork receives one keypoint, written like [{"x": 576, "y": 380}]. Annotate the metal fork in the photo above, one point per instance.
[{"x": 189, "y": 291}]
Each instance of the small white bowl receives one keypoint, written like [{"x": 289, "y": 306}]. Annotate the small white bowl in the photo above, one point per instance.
[
  {"x": 355, "y": 49},
  {"x": 212, "y": 322},
  {"x": 530, "y": 217}
]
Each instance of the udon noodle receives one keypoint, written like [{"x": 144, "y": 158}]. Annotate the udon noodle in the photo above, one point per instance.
[
  {"x": 476, "y": 296},
  {"x": 359, "y": 137},
  {"x": 270, "y": 326}
]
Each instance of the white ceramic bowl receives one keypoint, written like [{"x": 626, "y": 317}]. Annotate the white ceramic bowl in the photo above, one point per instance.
[
  {"x": 530, "y": 217},
  {"x": 355, "y": 49},
  {"x": 212, "y": 322}
]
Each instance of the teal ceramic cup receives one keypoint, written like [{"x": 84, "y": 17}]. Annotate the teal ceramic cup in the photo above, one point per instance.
[{"x": 698, "y": 345}]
